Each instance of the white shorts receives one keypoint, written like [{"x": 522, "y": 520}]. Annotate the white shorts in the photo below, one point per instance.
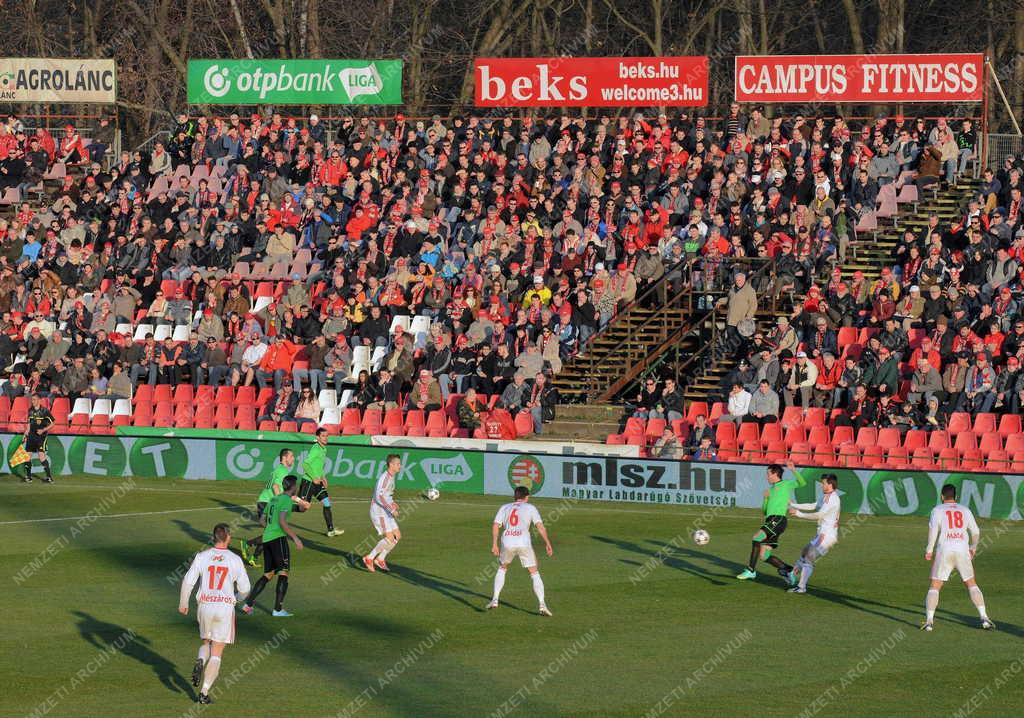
[
  {"x": 525, "y": 553},
  {"x": 823, "y": 543},
  {"x": 217, "y": 622},
  {"x": 944, "y": 563},
  {"x": 383, "y": 521}
]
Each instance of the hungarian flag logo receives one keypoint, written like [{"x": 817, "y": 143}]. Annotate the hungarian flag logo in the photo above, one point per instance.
[
  {"x": 20, "y": 456},
  {"x": 526, "y": 471}
]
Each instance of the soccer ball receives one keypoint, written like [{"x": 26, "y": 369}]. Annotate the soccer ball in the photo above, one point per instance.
[
  {"x": 701, "y": 537},
  {"x": 432, "y": 494}
]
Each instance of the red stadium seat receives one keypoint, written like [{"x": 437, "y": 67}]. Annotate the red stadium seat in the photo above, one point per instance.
[
  {"x": 183, "y": 393},
  {"x": 751, "y": 451},
  {"x": 717, "y": 409},
  {"x": 959, "y": 421},
  {"x": 800, "y": 453},
  {"x": 1015, "y": 444},
  {"x": 1009, "y": 424},
  {"x": 972, "y": 460},
  {"x": 696, "y": 408},
  {"x": 770, "y": 434},
  {"x": 350, "y": 422},
  {"x": 268, "y": 425},
  {"x": 818, "y": 435},
  {"x": 748, "y": 432},
  {"x": 524, "y": 424},
  {"x": 371, "y": 423},
  {"x": 162, "y": 392},
  {"x": 725, "y": 431},
  {"x": 990, "y": 441},
  {"x": 792, "y": 416},
  {"x": 897, "y": 458},
  {"x": 225, "y": 395},
  {"x": 815, "y": 416},
  {"x": 842, "y": 435},
  {"x": 288, "y": 426},
  {"x": 727, "y": 451},
  {"x": 938, "y": 440},
  {"x": 948, "y": 460},
  {"x": 655, "y": 428},
  {"x": 414, "y": 419},
  {"x": 795, "y": 435},
  {"x": 437, "y": 424},
  {"x": 848, "y": 454},
  {"x": 845, "y": 337},
  {"x": 143, "y": 394},
  {"x": 923, "y": 458},
  {"x": 776, "y": 453},
  {"x": 615, "y": 440},
  {"x": 915, "y": 439},
  {"x": 965, "y": 441},
  {"x": 867, "y": 436},
  {"x": 245, "y": 395},
  {"x": 998, "y": 461},
  {"x": 635, "y": 426},
  {"x": 1017, "y": 463},
  {"x": 204, "y": 417},
  {"x": 984, "y": 423},
  {"x": 824, "y": 453},
  {"x": 889, "y": 438},
  {"x": 873, "y": 456}
]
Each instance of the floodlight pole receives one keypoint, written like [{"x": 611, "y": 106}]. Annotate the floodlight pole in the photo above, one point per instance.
[{"x": 1002, "y": 96}]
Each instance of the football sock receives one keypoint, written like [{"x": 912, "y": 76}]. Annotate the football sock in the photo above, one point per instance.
[
  {"x": 282, "y": 589},
  {"x": 499, "y": 582},
  {"x": 779, "y": 563},
  {"x": 28, "y": 470},
  {"x": 755, "y": 554},
  {"x": 46, "y": 468},
  {"x": 257, "y": 588},
  {"x": 204, "y": 652},
  {"x": 979, "y": 601},
  {"x": 328, "y": 517},
  {"x": 806, "y": 569},
  {"x": 931, "y": 602},
  {"x": 210, "y": 674},
  {"x": 379, "y": 548},
  {"x": 388, "y": 548},
  {"x": 538, "y": 588}
]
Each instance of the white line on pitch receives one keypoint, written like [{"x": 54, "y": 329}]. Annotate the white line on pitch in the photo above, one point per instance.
[{"x": 110, "y": 516}]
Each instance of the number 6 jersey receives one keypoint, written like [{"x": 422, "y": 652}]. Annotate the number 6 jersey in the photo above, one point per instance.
[{"x": 515, "y": 520}]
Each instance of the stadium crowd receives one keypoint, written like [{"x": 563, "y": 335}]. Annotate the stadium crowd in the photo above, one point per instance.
[{"x": 409, "y": 261}]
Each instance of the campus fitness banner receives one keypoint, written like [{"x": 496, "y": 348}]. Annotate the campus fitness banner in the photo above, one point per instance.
[
  {"x": 859, "y": 78},
  {"x": 25, "y": 79},
  {"x": 295, "y": 82},
  {"x": 353, "y": 462},
  {"x": 885, "y": 493},
  {"x": 591, "y": 81}
]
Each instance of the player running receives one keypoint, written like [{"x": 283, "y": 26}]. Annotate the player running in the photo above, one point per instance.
[
  {"x": 384, "y": 515},
  {"x": 276, "y": 554},
  {"x": 513, "y": 523},
  {"x": 314, "y": 483},
  {"x": 220, "y": 574},
  {"x": 254, "y": 546},
  {"x": 826, "y": 513},
  {"x": 37, "y": 430},
  {"x": 777, "y": 498},
  {"x": 949, "y": 525}
]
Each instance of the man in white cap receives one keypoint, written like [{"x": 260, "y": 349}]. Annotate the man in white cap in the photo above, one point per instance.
[{"x": 802, "y": 379}]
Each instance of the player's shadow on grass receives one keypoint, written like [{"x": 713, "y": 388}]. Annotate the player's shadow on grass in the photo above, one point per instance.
[
  {"x": 731, "y": 567},
  {"x": 448, "y": 588},
  {"x": 864, "y": 605},
  {"x": 974, "y": 622},
  {"x": 110, "y": 636},
  {"x": 243, "y": 511},
  {"x": 666, "y": 555}
]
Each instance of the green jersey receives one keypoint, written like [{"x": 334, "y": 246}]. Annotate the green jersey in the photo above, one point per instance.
[
  {"x": 276, "y": 479},
  {"x": 780, "y": 494},
  {"x": 280, "y": 505},
  {"x": 313, "y": 465}
]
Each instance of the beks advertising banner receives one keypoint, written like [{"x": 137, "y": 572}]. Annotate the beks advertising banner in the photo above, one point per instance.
[
  {"x": 25, "y": 79},
  {"x": 591, "y": 81},
  {"x": 860, "y": 78},
  {"x": 295, "y": 82}
]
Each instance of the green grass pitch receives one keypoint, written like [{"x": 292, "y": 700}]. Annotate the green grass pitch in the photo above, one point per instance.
[{"x": 645, "y": 623}]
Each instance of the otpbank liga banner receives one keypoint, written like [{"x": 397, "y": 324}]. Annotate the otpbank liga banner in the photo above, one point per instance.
[
  {"x": 591, "y": 81},
  {"x": 885, "y": 79}
]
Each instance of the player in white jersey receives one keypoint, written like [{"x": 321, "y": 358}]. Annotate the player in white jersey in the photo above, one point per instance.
[
  {"x": 384, "y": 515},
  {"x": 826, "y": 513},
  {"x": 953, "y": 529},
  {"x": 513, "y": 523},
  {"x": 220, "y": 574}
]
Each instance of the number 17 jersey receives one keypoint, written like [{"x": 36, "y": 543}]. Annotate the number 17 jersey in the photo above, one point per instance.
[{"x": 515, "y": 520}]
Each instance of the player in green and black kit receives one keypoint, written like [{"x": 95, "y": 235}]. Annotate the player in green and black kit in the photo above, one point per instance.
[
  {"x": 314, "y": 483},
  {"x": 273, "y": 488},
  {"x": 276, "y": 554},
  {"x": 40, "y": 420},
  {"x": 776, "y": 505}
]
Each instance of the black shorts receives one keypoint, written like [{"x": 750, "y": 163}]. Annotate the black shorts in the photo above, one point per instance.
[
  {"x": 261, "y": 507},
  {"x": 277, "y": 555},
  {"x": 773, "y": 527},
  {"x": 35, "y": 443},
  {"x": 308, "y": 491}
]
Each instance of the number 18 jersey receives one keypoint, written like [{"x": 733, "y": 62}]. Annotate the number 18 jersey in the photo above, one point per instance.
[
  {"x": 515, "y": 520},
  {"x": 953, "y": 527}
]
